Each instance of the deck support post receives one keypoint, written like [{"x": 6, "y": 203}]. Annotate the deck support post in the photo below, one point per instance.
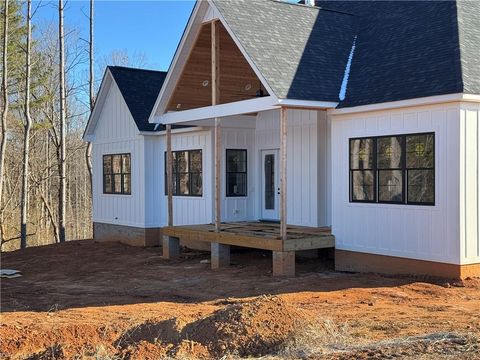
[
  {"x": 283, "y": 173},
  {"x": 215, "y": 42},
  {"x": 220, "y": 255},
  {"x": 169, "y": 175},
  {"x": 283, "y": 263},
  {"x": 171, "y": 247}
]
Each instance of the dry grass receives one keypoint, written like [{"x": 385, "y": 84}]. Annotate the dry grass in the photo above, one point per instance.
[
  {"x": 319, "y": 337},
  {"x": 325, "y": 339}
]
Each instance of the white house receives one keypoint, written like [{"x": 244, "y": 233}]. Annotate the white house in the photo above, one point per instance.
[{"x": 352, "y": 121}]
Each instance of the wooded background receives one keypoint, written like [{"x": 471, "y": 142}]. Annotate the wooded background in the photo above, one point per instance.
[{"x": 41, "y": 146}]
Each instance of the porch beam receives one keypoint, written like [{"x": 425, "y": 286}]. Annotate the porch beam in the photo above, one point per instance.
[
  {"x": 222, "y": 110},
  {"x": 283, "y": 173},
  {"x": 218, "y": 136},
  {"x": 169, "y": 175}
]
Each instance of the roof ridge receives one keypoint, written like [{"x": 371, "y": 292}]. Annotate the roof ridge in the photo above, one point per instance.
[
  {"x": 312, "y": 7},
  {"x": 134, "y": 68}
]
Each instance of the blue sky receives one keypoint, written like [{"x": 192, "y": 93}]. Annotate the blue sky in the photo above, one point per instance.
[{"x": 152, "y": 28}]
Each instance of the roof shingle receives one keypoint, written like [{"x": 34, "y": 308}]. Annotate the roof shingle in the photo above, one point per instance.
[{"x": 140, "y": 89}]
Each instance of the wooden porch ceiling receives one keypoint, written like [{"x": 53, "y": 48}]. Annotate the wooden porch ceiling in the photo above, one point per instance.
[
  {"x": 257, "y": 235},
  {"x": 237, "y": 79}
]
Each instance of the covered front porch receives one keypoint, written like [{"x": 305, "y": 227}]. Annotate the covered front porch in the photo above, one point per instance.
[
  {"x": 257, "y": 235},
  {"x": 221, "y": 90}
]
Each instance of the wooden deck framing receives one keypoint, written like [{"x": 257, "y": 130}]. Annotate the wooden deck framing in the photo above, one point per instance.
[{"x": 257, "y": 235}]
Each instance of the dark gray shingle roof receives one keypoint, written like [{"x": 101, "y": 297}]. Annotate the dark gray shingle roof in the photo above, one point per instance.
[
  {"x": 301, "y": 51},
  {"x": 404, "y": 49},
  {"x": 140, "y": 89}
]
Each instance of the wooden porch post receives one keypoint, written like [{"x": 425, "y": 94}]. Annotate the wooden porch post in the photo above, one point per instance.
[
  {"x": 169, "y": 175},
  {"x": 283, "y": 261},
  {"x": 283, "y": 173},
  {"x": 171, "y": 245},
  {"x": 215, "y": 100}
]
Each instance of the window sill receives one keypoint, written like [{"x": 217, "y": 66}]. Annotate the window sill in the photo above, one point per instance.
[{"x": 435, "y": 207}]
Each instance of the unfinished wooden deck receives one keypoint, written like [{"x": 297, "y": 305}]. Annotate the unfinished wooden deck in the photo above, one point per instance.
[{"x": 257, "y": 235}]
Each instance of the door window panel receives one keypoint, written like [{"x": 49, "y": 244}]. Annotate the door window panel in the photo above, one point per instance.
[{"x": 269, "y": 168}]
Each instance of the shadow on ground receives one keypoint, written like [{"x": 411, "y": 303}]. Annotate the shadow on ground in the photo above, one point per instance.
[{"x": 85, "y": 273}]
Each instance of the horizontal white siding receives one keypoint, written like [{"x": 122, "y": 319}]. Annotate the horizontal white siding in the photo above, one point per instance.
[
  {"x": 469, "y": 183},
  {"x": 418, "y": 232}
]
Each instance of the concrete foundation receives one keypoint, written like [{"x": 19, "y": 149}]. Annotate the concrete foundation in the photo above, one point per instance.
[
  {"x": 171, "y": 247},
  {"x": 363, "y": 262},
  {"x": 129, "y": 235},
  {"x": 220, "y": 255},
  {"x": 283, "y": 263}
]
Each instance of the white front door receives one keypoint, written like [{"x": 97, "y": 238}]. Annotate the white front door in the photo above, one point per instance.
[{"x": 270, "y": 184}]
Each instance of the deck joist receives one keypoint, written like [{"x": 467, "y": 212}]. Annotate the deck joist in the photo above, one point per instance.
[{"x": 257, "y": 235}]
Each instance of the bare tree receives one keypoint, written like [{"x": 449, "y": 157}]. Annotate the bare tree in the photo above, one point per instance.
[
  {"x": 27, "y": 127},
  {"x": 62, "y": 199},
  {"x": 3, "y": 143},
  {"x": 88, "y": 151}
]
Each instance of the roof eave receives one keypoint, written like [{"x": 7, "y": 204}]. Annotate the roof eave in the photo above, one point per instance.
[{"x": 105, "y": 85}]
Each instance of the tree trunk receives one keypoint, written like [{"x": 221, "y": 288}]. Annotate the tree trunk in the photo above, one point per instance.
[
  {"x": 3, "y": 143},
  {"x": 62, "y": 199},
  {"x": 88, "y": 151},
  {"x": 26, "y": 138}
]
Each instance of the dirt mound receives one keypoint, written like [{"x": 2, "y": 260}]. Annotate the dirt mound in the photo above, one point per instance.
[
  {"x": 153, "y": 332},
  {"x": 53, "y": 342},
  {"x": 253, "y": 328}
]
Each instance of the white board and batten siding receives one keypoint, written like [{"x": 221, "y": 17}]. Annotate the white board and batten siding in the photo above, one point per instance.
[
  {"x": 239, "y": 138},
  {"x": 469, "y": 183},
  {"x": 116, "y": 133},
  {"x": 307, "y": 185},
  {"x": 429, "y": 233},
  {"x": 186, "y": 209}
]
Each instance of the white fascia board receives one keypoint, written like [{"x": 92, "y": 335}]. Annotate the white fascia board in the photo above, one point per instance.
[
  {"x": 174, "y": 131},
  {"x": 307, "y": 104},
  {"x": 208, "y": 112},
  {"x": 179, "y": 59},
  {"x": 471, "y": 98},
  {"x": 184, "y": 49},
  {"x": 107, "y": 81},
  {"x": 88, "y": 138},
  {"x": 430, "y": 100}
]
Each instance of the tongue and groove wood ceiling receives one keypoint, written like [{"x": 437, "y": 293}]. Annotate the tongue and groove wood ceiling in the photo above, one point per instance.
[{"x": 237, "y": 79}]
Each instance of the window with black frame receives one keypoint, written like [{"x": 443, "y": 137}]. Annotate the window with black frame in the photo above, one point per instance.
[
  {"x": 236, "y": 172},
  {"x": 362, "y": 170},
  {"x": 117, "y": 174},
  {"x": 398, "y": 169},
  {"x": 187, "y": 173}
]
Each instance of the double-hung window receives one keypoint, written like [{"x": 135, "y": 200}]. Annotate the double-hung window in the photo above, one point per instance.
[
  {"x": 117, "y": 174},
  {"x": 187, "y": 173},
  {"x": 398, "y": 169},
  {"x": 236, "y": 174}
]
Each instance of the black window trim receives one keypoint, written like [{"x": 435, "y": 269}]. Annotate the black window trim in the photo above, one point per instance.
[
  {"x": 236, "y": 172},
  {"x": 189, "y": 172},
  {"x": 122, "y": 174},
  {"x": 404, "y": 170}
]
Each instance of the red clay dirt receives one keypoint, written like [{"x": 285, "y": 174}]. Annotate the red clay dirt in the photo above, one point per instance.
[{"x": 83, "y": 299}]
